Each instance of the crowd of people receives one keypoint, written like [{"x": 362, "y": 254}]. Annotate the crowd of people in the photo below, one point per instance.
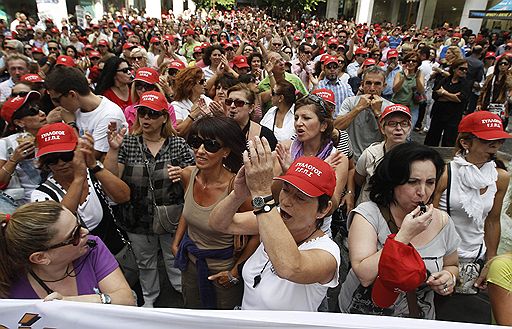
[{"x": 256, "y": 157}]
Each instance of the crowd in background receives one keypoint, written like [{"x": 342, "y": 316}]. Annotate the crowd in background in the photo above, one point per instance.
[{"x": 238, "y": 147}]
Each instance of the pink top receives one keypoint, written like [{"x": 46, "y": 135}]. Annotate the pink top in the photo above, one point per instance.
[{"x": 130, "y": 113}]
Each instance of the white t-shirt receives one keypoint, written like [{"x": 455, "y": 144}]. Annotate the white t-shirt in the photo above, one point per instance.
[
  {"x": 96, "y": 122},
  {"x": 274, "y": 293},
  {"x": 90, "y": 210},
  {"x": 27, "y": 176},
  {"x": 287, "y": 131},
  {"x": 182, "y": 108}
]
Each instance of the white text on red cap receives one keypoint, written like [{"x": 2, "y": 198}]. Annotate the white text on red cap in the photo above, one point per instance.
[
  {"x": 53, "y": 135},
  {"x": 307, "y": 169},
  {"x": 492, "y": 123}
]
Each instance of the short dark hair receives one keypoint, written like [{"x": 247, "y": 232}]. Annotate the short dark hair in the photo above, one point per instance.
[
  {"x": 64, "y": 79},
  {"x": 288, "y": 91},
  {"x": 255, "y": 54},
  {"x": 395, "y": 170},
  {"x": 303, "y": 46},
  {"x": 228, "y": 132}
]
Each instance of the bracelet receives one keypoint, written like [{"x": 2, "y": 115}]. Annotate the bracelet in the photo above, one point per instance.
[
  {"x": 7, "y": 171},
  {"x": 232, "y": 279},
  {"x": 72, "y": 124},
  {"x": 191, "y": 118}
]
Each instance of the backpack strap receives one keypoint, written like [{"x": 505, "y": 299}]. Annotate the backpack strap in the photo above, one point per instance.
[{"x": 448, "y": 186}]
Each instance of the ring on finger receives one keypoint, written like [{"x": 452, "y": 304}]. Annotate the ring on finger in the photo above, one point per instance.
[
  {"x": 445, "y": 290},
  {"x": 445, "y": 286},
  {"x": 25, "y": 152}
]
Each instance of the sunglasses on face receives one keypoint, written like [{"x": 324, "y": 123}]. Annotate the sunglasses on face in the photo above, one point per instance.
[
  {"x": 462, "y": 69},
  {"x": 20, "y": 93},
  {"x": 210, "y": 145},
  {"x": 125, "y": 70},
  {"x": 53, "y": 48},
  {"x": 144, "y": 86},
  {"x": 53, "y": 158},
  {"x": 504, "y": 64},
  {"x": 307, "y": 52},
  {"x": 361, "y": 55},
  {"x": 152, "y": 114},
  {"x": 491, "y": 142},
  {"x": 137, "y": 58},
  {"x": 237, "y": 102},
  {"x": 74, "y": 239},
  {"x": 331, "y": 67}
]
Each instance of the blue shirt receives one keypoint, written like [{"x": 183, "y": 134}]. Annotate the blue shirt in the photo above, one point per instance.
[
  {"x": 340, "y": 89},
  {"x": 388, "y": 90},
  {"x": 394, "y": 42}
]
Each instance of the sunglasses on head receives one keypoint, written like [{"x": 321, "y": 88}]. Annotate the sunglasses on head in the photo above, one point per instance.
[
  {"x": 320, "y": 102},
  {"x": 125, "y": 70},
  {"x": 139, "y": 85},
  {"x": 53, "y": 158},
  {"x": 237, "y": 102},
  {"x": 152, "y": 114},
  {"x": 76, "y": 234},
  {"x": 210, "y": 145}
]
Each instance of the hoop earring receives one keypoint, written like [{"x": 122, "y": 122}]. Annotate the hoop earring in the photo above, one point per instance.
[{"x": 465, "y": 152}]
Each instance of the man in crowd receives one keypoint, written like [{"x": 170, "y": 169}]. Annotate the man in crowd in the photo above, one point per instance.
[
  {"x": 17, "y": 66},
  {"x": 333, "y": 82}
]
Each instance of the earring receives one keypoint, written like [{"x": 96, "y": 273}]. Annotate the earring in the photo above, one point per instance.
[{"x": 465, "y": 152}]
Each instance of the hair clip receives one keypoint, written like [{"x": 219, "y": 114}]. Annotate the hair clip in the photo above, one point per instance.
[{"x": 7, "y": 218}]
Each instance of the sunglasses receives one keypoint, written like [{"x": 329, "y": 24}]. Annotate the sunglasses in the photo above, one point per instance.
[
  {"x": 237, "y": 102},
  {"x": 53, "y": 48},
  {"x": 53, "y": 158},
  {"x": 210, "y": 145},
  {"x": 144, "y": 86},
  {"x": 402, "y": 124},
  {"x": 492, "y": 141},
  {"x": 56, "y": 100},
  {"x": 333, "y": 46},
  {"x": 201, "y": 82},
  {"x": 125, "y": 70},
  {"x": 331, "y": 67},
  {"x": 362, "y": 55},
  {"x": 172, "y": 72},
  {"x": 307, "y": 52},
  {"x": 463, "y": 69},
  {"x": 504, "y": 64},
  {"x": 320, "y": 102},
  {"x": 76, "y": 234},
  {"x": 152, "y": 114},
  {"x": 137, "y": 58}
]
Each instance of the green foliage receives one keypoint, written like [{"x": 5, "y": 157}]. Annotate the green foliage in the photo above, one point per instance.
[
  {"x": 292, "y": 5},
  {"x": 227, "y": 4}
]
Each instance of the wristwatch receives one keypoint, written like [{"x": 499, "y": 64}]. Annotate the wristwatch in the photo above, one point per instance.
[
  {"x": 260, "y": 201},
  {"x": 99, "y": 166},
  {"x": 105, "y": 299},
  {"x": 265, "y": 209}
]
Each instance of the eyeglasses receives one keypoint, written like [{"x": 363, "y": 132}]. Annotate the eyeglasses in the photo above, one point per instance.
[
  {"x": 137, "y": 58},
  {"x": 210, "y": 145},
  {"x": 157, "y": 43},
  {"x": 274, "y": 93},
  {"x": 362, "y": 55},
  {"x": 76, "y": 234},
  {"x": 331, "y": 67},
  {"x": 201, "y": 82},
  {"x": 237, "y": 102},
  {"x": 125, "y": 70},
  {"x": 277, "y": 44},
  {"x": 402, "y": 124},
  {"x": 26, "y": 112},
  {"x": 56, "y": 100},
  {"x": 307, "y": 52},
  {"x": 333, "y": 46},
  {"x": 462, "y": 69},
  {"x": 139, "y": 85},
  {"x": 53, "y": 48},
  {"x": 53, "y": 158},
  {"x": 152, "y": 114}
]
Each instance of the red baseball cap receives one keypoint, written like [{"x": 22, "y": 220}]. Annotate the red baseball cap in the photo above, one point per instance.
[
  {"x": 65, "y": 60},
  {"x": 129, "y": 45},
  {"x": 54, "y": 30},
  {"x": 37, "y": 50},
  {"x": 330, "y": 59},
  {"x": 189, "y": 32},
  {"x": 369, "y": 61},
  {"x": 395, "y": 108},
  {"x": 228, "y": 45},
  {"x": 319, "y": 36},
  {"x": 175, "y": 64},
  {"x": 484, "y": 125},
  {"x": 392, "y": 53},
  {"x": 309, "y": 35},
  {"x": 361, "y": 51},
  {"x": 240, "y": 61},
  {"x": 332, "y": 41},
  {"x": 147, "y": 75},
  {"x": 31, "y": 78},
  {"x": 88, "y": 47},
  {"x": 312, "y": 176},
  {"x": 235, "y": 43},
  {"x": 401, "y": 269},
  {"x": 103, "y": 42},
  {"x": 457, "y": 35},
  {"x": 326, "y": 94},
  {"x": 154, "y": 39},
  {"x": 154, "y": 100},
  {"x": 198, "y": 49},
  {"x": 169, "y": 37},
  {"x": 489, "y": 54},
  {"x": 12, "y": 104},
  {"x": 130, "y": 33},
  {"x": 94, "y": 54},
  {"x": 56, "y": 137}
]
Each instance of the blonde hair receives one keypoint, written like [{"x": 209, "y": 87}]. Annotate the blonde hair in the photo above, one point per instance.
[
  {"x": 166, "y": 131},
  {"x": 29, "y": 229}
]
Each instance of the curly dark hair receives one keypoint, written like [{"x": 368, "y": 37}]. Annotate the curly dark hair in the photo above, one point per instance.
[
  {"x": 208, "y": 53},
  {"x": 395, "y": 170}
]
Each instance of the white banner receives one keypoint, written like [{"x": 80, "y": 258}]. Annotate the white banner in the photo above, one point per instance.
[
  {"x": 61, "y": 314},
  {"x": 54, "y": 9}
]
